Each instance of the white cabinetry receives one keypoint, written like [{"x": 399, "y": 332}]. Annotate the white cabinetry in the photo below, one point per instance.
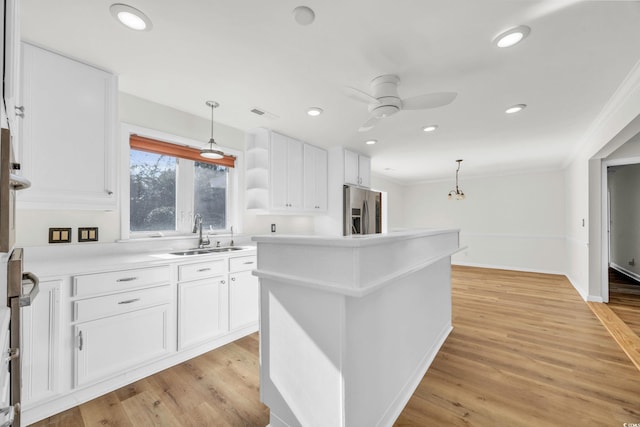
[
  {"x": 202, "y": 302},
  {"x": 41, "y": 344},
  {"x": 286, "y": 173},
  {"x": 315, "y": 178},
  {"x": 243, "y": 292},
  {"x": 124, "y": 328},
  {"x": 68, "y": 133},
  {"x": 357, "y": 169}
]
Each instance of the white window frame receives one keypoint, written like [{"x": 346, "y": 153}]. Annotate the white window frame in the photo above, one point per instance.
[{"x": 184, "y": 218}]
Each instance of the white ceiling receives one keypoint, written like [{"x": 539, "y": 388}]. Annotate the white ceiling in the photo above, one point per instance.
[{"x": 249, "y": 53}]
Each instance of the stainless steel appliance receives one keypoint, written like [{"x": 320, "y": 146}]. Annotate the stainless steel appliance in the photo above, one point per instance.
[
  {"x": 362, "y": 211},
  {"x": 20, "y": 288}
]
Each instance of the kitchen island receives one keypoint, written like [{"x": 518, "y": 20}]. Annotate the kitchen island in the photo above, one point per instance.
[{"x": 350, "y": 325}]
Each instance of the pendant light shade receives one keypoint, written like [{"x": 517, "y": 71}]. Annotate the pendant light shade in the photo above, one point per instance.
[
  {"x": 211, "y": 151},
  {"x": 457, "y": 194}
]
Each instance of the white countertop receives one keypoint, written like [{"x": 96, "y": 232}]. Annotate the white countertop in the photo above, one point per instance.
[
  {"x": 57, "y": 261},
  {"x": 353, "y": 241}
]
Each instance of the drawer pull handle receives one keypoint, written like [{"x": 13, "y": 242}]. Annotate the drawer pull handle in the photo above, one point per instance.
[
  {"x": 233, "y": 279},
  {"x": 248, "y": 262},
  {"x": 80, "y": 341},
  {"x": 204, "y": 269},
  {"x": 127, "y": 279},
  {"x": 222, "y": 282},
  {"x": 129, "y": 301}
]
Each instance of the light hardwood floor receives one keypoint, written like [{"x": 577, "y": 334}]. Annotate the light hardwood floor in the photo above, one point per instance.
[{"x": 525, "y": 351}]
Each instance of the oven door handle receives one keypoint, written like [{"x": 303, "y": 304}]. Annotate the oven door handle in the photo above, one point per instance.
[
  {"x": 26, "y": 300},
  {"x": 19, "y": 183}
]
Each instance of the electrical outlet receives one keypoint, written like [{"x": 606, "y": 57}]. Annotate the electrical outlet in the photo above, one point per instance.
[
  {"x": 87, "y": 234},
  {"x": 273, "y": 228},
  {"x": 59, "y": 235}
]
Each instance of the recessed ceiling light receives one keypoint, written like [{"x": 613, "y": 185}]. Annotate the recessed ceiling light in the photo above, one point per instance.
[
  {"x": 515, "y": 108},
  {"x": 512, "y": 36},
  {"x": 131, "y": 17},
  {"x": 314, "y": 111},
  {"x": 370, "y": 142},
  {"x": 304, "y": 15},
  {"x": 430, "y": 128}
]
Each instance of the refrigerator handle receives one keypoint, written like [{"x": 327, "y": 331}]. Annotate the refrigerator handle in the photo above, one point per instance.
[{"x": 365, "y": 217}]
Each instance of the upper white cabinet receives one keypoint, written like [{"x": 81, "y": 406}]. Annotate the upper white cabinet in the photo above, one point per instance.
[
  {"x": 284, "y": 175},
  {"x": 68, "y": 133},
  {"x": 357, "y": 169},
  {"x": 315, "y": 178},
  {"x": 286, "y": 172}
]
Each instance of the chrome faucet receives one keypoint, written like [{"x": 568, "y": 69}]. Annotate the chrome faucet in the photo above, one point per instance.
[
  {"x": 197, "y": 228},
  {"x": 231, "y": 242}
]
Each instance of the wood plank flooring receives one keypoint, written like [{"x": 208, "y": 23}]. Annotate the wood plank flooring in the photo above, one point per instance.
[{"x": 525, "y": 351}]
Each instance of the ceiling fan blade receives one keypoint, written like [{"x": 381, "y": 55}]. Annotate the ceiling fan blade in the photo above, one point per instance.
[
  {"x": 429, "y": 100},
  {"x": 369, "y": 124},
  {"x": 359, "y": 95}
]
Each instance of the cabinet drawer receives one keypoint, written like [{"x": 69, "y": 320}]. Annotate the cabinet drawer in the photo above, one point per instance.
[
  {"x": 201, "y": 270},
  {"x": 243, "y": 263},
  {"x": 116, "y": 281},
  {"x": 108, "y": 305}
]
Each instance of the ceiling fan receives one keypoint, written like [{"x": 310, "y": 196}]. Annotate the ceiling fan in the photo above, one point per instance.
[{"x": 385, "y": 101}]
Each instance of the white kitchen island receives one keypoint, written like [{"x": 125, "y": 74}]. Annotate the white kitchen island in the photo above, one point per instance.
[{"x": 349, "y": 325}]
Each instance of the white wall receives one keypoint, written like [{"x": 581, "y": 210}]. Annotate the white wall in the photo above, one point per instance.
[
  {"x": 513, "y": 222},
  {"x": 617, "y": 123},
  {"x": 32, "y": 225}
]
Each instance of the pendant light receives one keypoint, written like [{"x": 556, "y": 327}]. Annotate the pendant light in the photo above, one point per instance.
[
  {"x": 457, "y": 193},
  {"x": 211, "y": 152}
]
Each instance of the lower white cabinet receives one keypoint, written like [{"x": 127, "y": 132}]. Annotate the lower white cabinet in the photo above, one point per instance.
[
  {"x": 40, "y": 344},
  {"x": 112, "y": 344},
  {"x": 243, "y": 299},
  {"x": 201, "y": 310}
]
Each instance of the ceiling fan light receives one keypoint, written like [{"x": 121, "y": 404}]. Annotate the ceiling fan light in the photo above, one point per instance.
[
  {"x": 512, "y": 36},
  {"x": 131, "y": 17}
]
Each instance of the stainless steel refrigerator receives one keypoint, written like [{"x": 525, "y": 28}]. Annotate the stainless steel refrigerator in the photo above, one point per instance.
[{"x": 362, "y": 211}]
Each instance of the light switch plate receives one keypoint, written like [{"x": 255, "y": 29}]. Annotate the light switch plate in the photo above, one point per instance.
[
  {"x": 87, "y": 234},
  {"x": 59, "y": 235}
]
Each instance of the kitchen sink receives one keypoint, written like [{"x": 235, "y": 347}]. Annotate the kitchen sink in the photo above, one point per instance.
[{"x": 206, "y": 251}]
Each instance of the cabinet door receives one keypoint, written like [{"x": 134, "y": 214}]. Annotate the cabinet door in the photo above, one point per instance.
[
  {"x": 243, "y": 299},
  {"x": 351, "y": 175},
  {"x": 68, "y": 134},
  {"x": 294, "y": 173},
  {"x": 278, "y": 166},
  {"x": 40, "y": 342},
  {"x": 202, "y": 313},
  {"x": 114, "y": 344},
  {"x": 364, "y": 170},
  {"x": 315, "y": 178}
]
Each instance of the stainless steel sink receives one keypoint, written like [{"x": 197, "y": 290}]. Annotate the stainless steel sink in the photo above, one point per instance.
[{"x": 206, "y": 251}]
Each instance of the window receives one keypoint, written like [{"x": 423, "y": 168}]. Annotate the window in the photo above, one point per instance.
[{"x": 169, "y": 184}]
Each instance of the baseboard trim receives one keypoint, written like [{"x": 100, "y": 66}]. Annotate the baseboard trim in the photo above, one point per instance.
[
  {"x": 506, "y": 267},
  {"x": 626, "y": 272}
]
